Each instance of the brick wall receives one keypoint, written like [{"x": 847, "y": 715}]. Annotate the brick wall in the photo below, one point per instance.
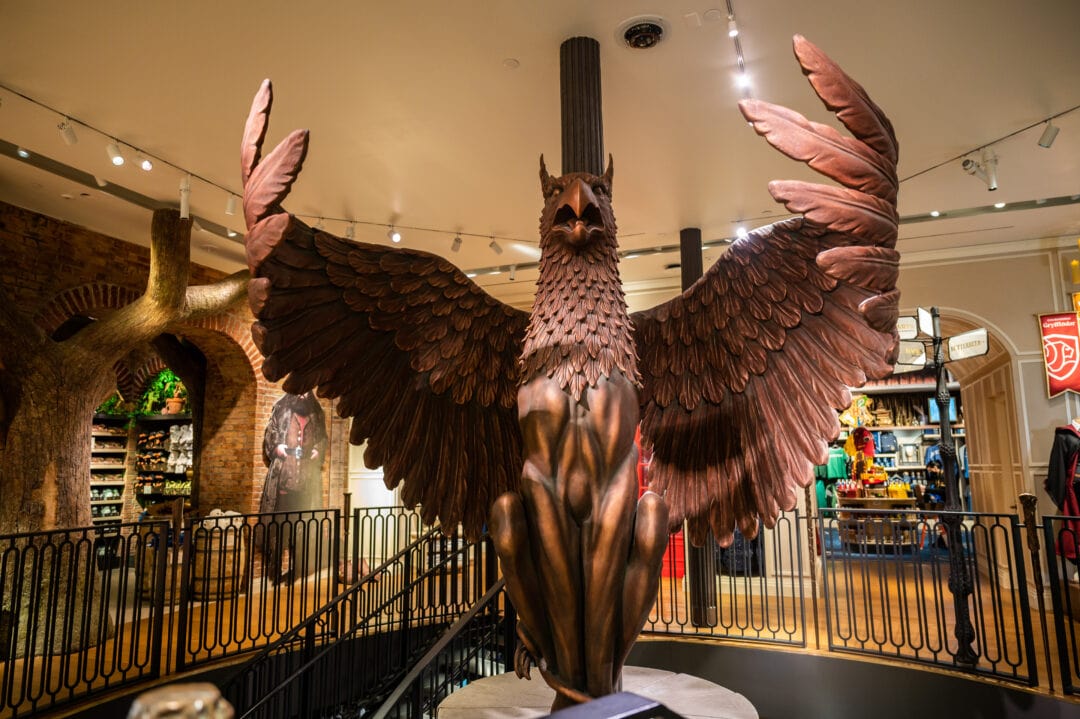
[{"x": 53, "y": 270}]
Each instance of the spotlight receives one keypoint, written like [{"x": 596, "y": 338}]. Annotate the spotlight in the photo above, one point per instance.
[
  {"x": 495, "y": 246},
  {"x": 741, "y": 232},
  {"x": 22, "y": 152},
  {"x": 456, "y": 244},
  {"x": 985, "y": 170},
  {"x": 144, "y": 163},
  {"x": 935, "y": 213},
  {"x": 742, "y": 80},
  {"x": 999, "y": 205},
  {"x": 195, "y": 226},
  {"x": 230, "y": 205},
  {"x": 231, "y": 233},
  {"x": 513, "y": 273},
  {"x": 100, "y": 182},
  {"x": 393, "y": 234},
  {"x": 732, "y": 28},
  {"x": 113, "y": 151},
  {"x": 1049, "y": 133},
  {"x": 67, "y": 132},
  {"x": 350, "y": 231},
  {"x": 185, "y": 196}
]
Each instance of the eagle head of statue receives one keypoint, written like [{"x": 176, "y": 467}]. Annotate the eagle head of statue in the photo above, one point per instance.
[{"x": 577, "y": 210}]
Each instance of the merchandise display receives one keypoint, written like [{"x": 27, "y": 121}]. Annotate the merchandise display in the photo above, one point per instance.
[
  {"x": 165, "y": 455},
  {"x": 108, "y": 458}
]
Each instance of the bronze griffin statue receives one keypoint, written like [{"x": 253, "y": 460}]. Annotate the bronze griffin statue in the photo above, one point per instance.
[{"x": 484, "y": 411}]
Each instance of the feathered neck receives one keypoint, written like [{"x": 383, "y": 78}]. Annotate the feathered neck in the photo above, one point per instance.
[{"x": 579, "y": 330}]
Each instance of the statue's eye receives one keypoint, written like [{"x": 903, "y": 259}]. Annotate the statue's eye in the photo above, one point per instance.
[
  {"x": 600, "y": 189},
  {"x": 555, "y": 191}
]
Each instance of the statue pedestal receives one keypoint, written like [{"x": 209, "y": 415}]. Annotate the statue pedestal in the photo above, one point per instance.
[{"x": 507, "y": 697}]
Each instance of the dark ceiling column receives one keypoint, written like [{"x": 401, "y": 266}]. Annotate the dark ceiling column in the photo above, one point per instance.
[
  {"x": 582, "y": 120},
  {"x": 701, "y": 561}
]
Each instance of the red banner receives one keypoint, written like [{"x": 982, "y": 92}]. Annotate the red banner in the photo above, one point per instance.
[{"x": 1061, "y": 352}]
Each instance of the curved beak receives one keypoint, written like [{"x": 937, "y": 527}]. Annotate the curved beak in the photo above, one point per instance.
[{"x": 578, "y": 213}]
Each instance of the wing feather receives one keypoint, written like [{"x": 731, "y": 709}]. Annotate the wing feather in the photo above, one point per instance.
[
  {"x": 743, "y": 373},
  {"x": 420, "y": 357}
]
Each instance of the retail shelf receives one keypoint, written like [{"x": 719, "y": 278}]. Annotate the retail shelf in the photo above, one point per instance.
[
  {"x": 104, "y": 520},
  {"x": 118, "y": 465},
  {"x": 107, "y": 483},
  {"x": 108, "y": 450},
  {"x": 105, "y": 501}
]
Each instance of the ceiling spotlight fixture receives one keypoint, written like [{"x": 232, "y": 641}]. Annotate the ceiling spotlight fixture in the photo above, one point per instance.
[
  {"x": 230, "y": 205},
  {"x": 732, "y": 28},
  {"x": 456, "y": 244},
  {"x": 935, "y": 213},
  {"x": 741, "y": 232},
  {"x": 495, "y": 246},
  {"x": 1049, "y": 133},
  {"x": 100, "y": 182},
  {"x": 196, "y": 226},
  {"x": 986, "y": 170},
  {"x": 513, "y": 272},
  {"x": 231, "y": 233},
  {"x": 144, "y": 162},
  {"x": 22, "y": 152},
  {"x": 67, "y": 132},
  {"x": 350, "y": 231},
  {"x": 393, "y": 234},
  {"x": 185, "y": 196},
  {"x": 742, "y": 80},
  {"x": 999, "y": 205},
  {"x": 113, "y": 151}
]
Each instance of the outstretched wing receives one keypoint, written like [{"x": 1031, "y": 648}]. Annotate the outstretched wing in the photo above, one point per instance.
[
  {"x": 422, "y": 359},
  {"x": 743, "y": 372}
]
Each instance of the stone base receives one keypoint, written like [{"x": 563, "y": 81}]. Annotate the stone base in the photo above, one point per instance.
[{"x": 507, "y": 697}]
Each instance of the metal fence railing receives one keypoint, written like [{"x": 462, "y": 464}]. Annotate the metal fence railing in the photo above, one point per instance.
[
  {"x": 86, "y": 611},
  {"x": 90, "y": 610},
  {"x": 753, "y": 590},
  {"x": 345, "y": 658},
  {"x": 947, "y": 589},
  {"x": 80, "y": 613},
  {"x": 1062, "y": 545}
]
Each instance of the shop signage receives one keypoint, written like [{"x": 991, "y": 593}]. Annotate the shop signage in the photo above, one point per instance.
[
  {"x": 907, "y": 328},
  {"x": 912, "y": 353},
  {"x": 969, "y": 344},
  {"x": 1061, "y": 352}
]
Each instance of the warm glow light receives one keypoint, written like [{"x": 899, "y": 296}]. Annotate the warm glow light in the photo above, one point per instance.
[
  {"x": 999, "y": 205},
  {"x": 935, "y": 213},
  {"x": 113, "y": 151}
]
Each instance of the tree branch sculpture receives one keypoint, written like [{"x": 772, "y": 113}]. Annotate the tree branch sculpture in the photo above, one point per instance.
[{"x": 50, "y": 388}]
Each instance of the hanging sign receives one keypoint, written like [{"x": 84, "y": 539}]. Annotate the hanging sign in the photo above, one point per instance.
[
  {"x": 968, "y": 344},
  {"x": 926, "y": 321},
  {"x": 911, "y": 353},
  {"x": 908, "y": 327},
  {"x": 1061, "y": 352}
]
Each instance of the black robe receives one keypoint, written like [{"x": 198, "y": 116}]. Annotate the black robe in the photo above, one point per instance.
[{"x": 1062, "y": 470}]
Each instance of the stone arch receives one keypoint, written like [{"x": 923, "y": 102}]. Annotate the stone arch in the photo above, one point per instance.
[{"x": 991, "y": 414}]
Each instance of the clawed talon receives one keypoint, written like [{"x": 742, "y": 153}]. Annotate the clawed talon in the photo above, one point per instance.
[{"x": 523, "y": 662}]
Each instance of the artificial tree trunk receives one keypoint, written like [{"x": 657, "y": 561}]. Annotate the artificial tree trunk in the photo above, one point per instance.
[{"x": 50, "y": 389}]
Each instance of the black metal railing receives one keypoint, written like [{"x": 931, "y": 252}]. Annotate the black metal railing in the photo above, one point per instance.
[
  {"x": 1062, "y": 546},
  {"x": 80, "y": 613},
  {"x": 248, "y": 578},
  {"x": 896, "y": 586},
  {"x": 757, "y": 593},
  {"x": 349, "y": 655},
  {"x": 479, "y": 644}
]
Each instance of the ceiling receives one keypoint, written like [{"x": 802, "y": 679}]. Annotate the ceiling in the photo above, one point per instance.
[{"x": 418, "y": 119}]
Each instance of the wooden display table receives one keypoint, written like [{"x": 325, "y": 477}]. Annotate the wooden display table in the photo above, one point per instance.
[{"x": 892, "y": 525}]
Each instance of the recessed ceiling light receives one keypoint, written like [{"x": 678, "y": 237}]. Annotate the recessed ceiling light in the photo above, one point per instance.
[
  {"x": 22, "y": 152},
  {"x": 511, "y": 63},
  {"x": 67, "y": 196}
]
